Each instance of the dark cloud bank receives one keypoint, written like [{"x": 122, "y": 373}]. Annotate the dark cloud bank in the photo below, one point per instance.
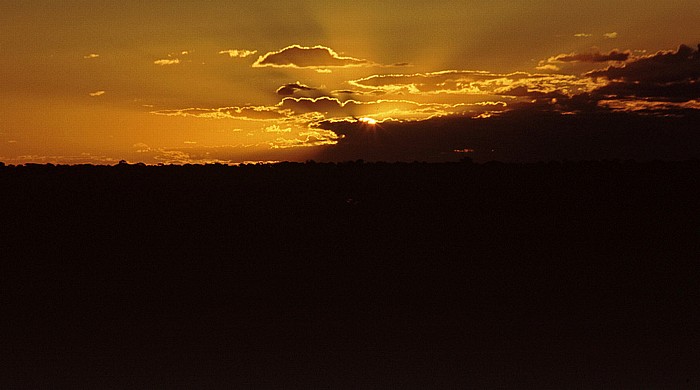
[
  {"x": 556, "y": 126},
  {"x": 672, "y": 76}
]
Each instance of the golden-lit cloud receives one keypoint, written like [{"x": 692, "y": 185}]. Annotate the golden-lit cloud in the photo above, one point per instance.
[
  {"x": 167, "y": 61},
  {"x": 277, "y": 129},
  {"x": 314, "y": 137},
  {"x": 244, "y": 112},
  {"x": 91, "y": 56},
  {"x": 471, "y": 83},
  {"x": 238, "y": 53},
  {"x": 97, "y": 93},
  {"x": 547, "y": 67},
  {"x": 297, "y": 56},
  {"x": 583, "y": 35},
  {"x": 610, "y": 35},
  {"x": 331, "y": 108}
]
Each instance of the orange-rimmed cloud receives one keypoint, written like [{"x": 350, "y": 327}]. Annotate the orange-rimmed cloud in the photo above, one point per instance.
[
  {"x": 312, "y": 137},
  {"x": 238, "y": 53},
  {"x": 315, "y": 57},
  {"x": 333, "y": 108},
  {"x": 472, "y": 83},
  {"x": 306, "y": 112},
  {"x": 244, "y": 113}
]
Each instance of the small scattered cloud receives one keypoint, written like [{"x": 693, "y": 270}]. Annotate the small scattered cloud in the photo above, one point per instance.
[
  {"x": 290, "y": 89},
  {"x": 583, "y": 35},
  {"x": 91, "y": 56},
  {"x": 547, "y": 67},
  {"x": 316, "y": 57},
  {"x": 141, "y": 147},
  {"x": 610, "y": 35},
  {"x": 97, "y": 93},
  {"x": 277, "y": 129},
  {"x": 171, "y": 61},
  {"x": 238, "y": 53}
]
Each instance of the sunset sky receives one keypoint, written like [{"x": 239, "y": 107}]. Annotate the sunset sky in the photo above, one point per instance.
[{"x": 225, "y": 81}]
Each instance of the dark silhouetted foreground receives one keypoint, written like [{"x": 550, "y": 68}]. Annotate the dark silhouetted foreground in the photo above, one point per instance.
[{"x": 351, "y": 276}]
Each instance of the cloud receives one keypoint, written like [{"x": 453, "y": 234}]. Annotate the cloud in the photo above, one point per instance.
[
  {"x": 277, "y": 129},
  {"x": 141, "y": 147},
  {"x": 610, "y": 35},
  {"x": 666, "y": 75},
  {"x": 296, "y": 56},
  {"x": 332, "y": 108},
  {"x": 344, "y": 92},
  {"x": 306, "y": 111},
  {"x": 549, "y": 67},
  {"x": 583, "y": 35},
  {"x": 673, "y": 91},
  {"x": 524, "y": 134},
  {"x": 650, "y": 107},
  {"x": 662, "y": 67},
  {"x": 91, "y": 56},
  {"x": 163, "y": 62},
  {"x": 244, "y": 112},
  {"x": 238, "y": 53},
  {"x": 593, "y": 56},
  {"x": 289, "y": 89},
  {"x": 314, "y": 137},
  {"x": 471, "y": 83},
  {"x": 97, "y": 93}
]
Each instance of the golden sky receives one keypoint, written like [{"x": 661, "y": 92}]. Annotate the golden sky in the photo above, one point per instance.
[{"x": 227, "y": 81}]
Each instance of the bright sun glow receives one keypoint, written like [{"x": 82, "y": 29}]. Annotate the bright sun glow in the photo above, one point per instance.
[{"x": 368, "y": 121}]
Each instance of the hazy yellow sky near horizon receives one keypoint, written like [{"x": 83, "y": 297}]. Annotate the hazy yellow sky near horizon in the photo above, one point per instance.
[{"x": 201, "y": 81}]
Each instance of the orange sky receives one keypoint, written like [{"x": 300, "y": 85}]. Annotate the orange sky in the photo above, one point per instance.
[{"x": 219, "y": 81}]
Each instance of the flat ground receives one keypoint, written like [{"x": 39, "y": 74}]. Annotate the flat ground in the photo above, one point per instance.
[{"x": 353, "y": 275}]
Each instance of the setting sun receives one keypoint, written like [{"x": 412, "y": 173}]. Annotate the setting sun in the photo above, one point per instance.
[{"x": 368, "y": 121}]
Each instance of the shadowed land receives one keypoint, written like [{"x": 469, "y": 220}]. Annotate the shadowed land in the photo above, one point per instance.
[{"x": 351, "y": 275}]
